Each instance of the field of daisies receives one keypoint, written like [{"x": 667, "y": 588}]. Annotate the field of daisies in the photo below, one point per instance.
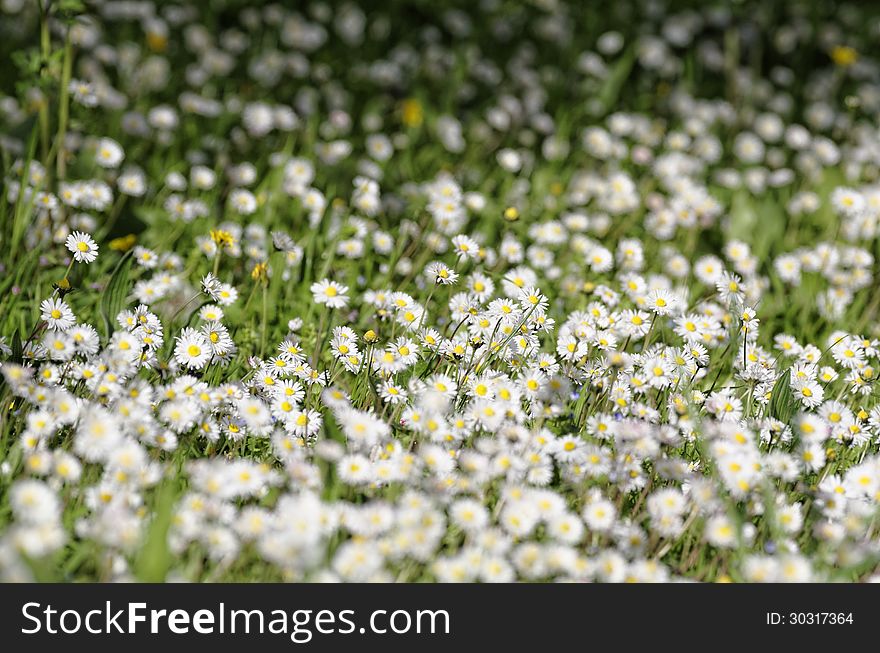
[{"x": 423, "y": 291}]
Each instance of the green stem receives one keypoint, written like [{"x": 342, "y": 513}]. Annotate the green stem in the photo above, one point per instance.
[
  {"x": 265, "y": 314},
  {"x": 63, "y": 109},
  {"x": 114, "y": 215},
  {"x": 319, "y": 337},
  {"x": 69, "y": 267},
  {"x": 217, "y": 259},
  {"x": 649, "y": 334},
  {"x": 45, "y": 53},
  {"x": 183, "y": 308},
  {"x": 425, "y": 311}
]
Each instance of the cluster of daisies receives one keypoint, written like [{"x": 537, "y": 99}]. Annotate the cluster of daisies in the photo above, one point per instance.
[{"x": 303, "y": 308}]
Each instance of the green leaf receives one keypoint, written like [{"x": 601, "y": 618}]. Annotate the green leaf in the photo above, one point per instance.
[
  {"x": 782, "y": 402},
  {"x": 68, "y": 10},
  {"x": 154, "y": 558},
  {"x": 150, "y": 215},
  {"x": 17, "y": 349},
  {"x": 24, "y": 207},
  {"x": 610, "y": 91},
  {"x": 743, "y": 220},
  {"x": 116, "y": 291}
]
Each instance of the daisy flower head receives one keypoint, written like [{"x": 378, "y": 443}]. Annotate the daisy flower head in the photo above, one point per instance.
[
  {"x": 83, "y": 93},
  {"x": 83, "y": 248},
  {"x": 211, "y": 285},
  {"x": 218, "y": 338},
  {"x": 57, "y": 314},
  {"x": 109, "y": 153},
  {"x": 331, "y": 293},
  {"x": 730, "y": 288},
  {"x": 662, "y": 302},
  {"x": 210, "y": 313},
  {"x": 531, "y": 299},
  {"x": 441, "y": 273},
  {"x": 465, "y": 247},
  {"x": 226, "y": 294},
  {"x": 193, "y": 349},
  {"x": 243, "y": 201},
  {"x": 132, "y": 183},
  {"x": 808, "y": 391},
  {"x": 848, "y": 202},
  {"x": 392, "y": 393},
  {"x": 144, "y": 257}
]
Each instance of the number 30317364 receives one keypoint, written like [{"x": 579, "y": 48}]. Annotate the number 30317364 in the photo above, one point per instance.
[{"x": 809, "y": 618}]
